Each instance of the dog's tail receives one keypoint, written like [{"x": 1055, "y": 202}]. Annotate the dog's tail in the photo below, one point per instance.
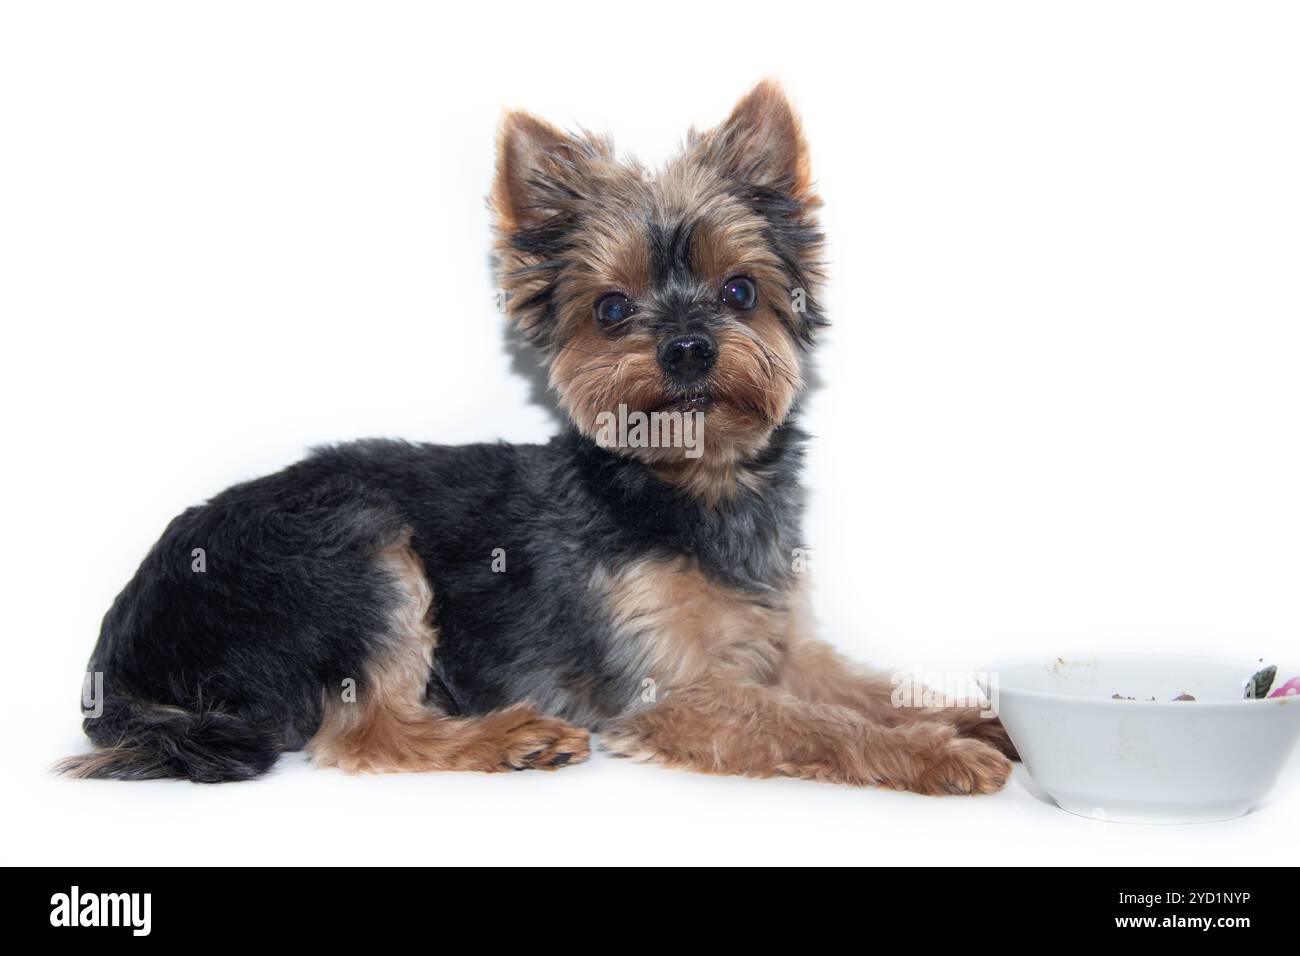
[{"x": 138, "y": 740}]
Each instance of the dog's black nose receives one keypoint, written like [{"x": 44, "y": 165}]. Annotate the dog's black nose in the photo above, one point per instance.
[{"x": 688, "y": 358}]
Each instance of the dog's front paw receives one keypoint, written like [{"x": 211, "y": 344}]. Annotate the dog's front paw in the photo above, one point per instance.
[
  {"x": 545, "y": 743},
  {"x": 962, "y": 765},
  {"x": 970, "y": 722},
  {"x": 618, "y": 740},
  {"x": 931, "y": 757},
  {"x": 991, "y": 732}
]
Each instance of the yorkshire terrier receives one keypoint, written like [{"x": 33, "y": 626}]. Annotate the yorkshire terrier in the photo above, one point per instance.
[{"x": 387, "y": 606}]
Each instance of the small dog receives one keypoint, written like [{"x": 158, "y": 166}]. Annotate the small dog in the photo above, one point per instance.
[{"x": 396, "y": 607}]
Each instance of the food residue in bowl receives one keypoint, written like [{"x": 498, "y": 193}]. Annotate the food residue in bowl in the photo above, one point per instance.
[{"x": 1255, "y": 687}]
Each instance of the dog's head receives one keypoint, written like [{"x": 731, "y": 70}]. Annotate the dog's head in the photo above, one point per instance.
[{"x": 692, "y": 289}]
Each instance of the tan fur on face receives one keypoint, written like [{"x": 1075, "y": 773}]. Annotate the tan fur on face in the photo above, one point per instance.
[
  {"x": 573, "y": 226},
  {"x": 754, "y": 383},
  {"x": 759, "y": 369},
  {"x": 389, "y": 728}
]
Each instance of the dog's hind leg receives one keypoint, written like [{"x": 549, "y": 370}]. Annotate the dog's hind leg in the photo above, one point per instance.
[{"x": 386, "y": 725}]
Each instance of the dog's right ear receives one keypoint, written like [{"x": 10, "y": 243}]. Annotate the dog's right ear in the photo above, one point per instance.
[
  {"x": 761, "y": 144},
  {"x": 538, "y": 171}
]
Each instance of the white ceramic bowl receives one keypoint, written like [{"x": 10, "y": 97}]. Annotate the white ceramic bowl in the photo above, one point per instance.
[{"x": 1142, "y": 760}]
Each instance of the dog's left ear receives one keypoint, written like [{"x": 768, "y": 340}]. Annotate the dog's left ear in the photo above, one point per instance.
[{"x": 761, "y": 143}]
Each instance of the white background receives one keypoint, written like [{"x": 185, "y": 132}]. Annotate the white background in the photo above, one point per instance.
[{"x": 1059, "y": 402}]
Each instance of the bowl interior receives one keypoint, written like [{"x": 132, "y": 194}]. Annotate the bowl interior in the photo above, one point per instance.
[{"x": 1140, "y": 677}]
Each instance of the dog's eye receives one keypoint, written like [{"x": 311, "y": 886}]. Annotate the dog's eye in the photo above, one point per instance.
[
  {"x": 613, "y": 308},
  {"x": 740, "y": 293}
]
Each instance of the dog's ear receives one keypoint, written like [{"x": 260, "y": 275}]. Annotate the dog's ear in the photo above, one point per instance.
[
  {"x": 761, "y": 143},
  {"x": 546, "y": 182},
  {"x": 537, "y": 166}
]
